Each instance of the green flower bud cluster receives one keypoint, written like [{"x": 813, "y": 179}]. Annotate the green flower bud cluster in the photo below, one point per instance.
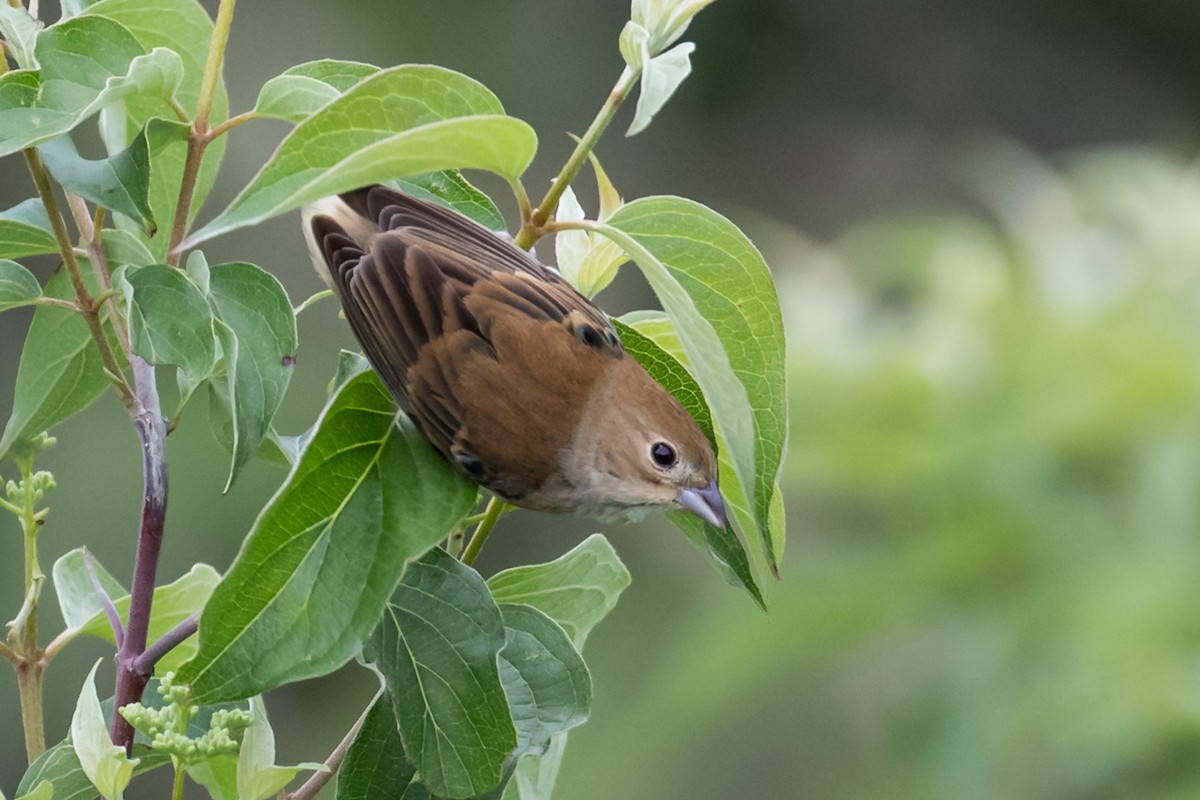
[
  {"x": 167, "y": 726},
  {"x": 35, "y": 486}
]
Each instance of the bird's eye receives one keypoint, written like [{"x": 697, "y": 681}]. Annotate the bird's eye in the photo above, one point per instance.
[{"x": 663, "y": 455}]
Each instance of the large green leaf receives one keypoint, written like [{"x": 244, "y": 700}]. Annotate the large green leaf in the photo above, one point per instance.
[
  {"x": 184, "y": 27},
  {"x": 437, "y": 647},
  {"x": 18, "y": 287},
  {"x": 317, "y": 568},
  {"x": 86, "y": 63},
  {"x": 171, "y": 322},
  {"x": 547, "y": 684},
  {"x": 658, "y": 328},
  {"x": 718, "y": 291},
  {"x": 400, "y": 121},
  {"x": 257, "y": 331},
  {"x": 60, "y": 373},
  {"x": 668, "y": 369},
  {"x": 307, "y": 87},
  {"x": 25, "y": 231},
  {"x": 576, "y": 590}
]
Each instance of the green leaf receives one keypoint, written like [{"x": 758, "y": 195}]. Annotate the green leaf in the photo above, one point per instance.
[
  {"x": 401, "y": 121},
  {"x": 60, "y": 372},
  {"x": 661, "y": 76},
  {"x": 61, "y": 768},
  {"x": 726, "y": 550},
  {"x": 77, "y": 596},
  {"x": 19, "y": 29},
  {"x": 375, "y": 765},
  {"x": 305, "y": 88},
  {"x": 218, "y": 776},
  {"x": 172, "y": 604},
  {"x": 547, "y": 684},
  {"x": 257, "y": 775},
  {"x": 312, "y": 578},
  {"x": 43, "y": 791},
  {"x": 182, "y": 26},
  {"x": 718, "y": 291},
  {"x": 437, "y": 646},
  {"x": 104, "y": 763},
  {"x": 123, "y": 248},
  {"x": 657, "y": 327},
  {"x": 171, "y": 322},
  {"x": 18, "y": 287},
  {"x": 257, "y": 331},
  {"x": 452, "y": 190},
  {"x": 576, "y": 590},
  {"x": 87, "y": 63},
  {"x": 121, "y": 182},
  {"x": 25, "y": 231}
]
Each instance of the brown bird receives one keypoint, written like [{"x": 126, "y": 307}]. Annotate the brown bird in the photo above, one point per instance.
[{"x": 516, "y": 378}]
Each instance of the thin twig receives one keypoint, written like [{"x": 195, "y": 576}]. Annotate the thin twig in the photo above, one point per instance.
[
  {"x": 531, "y": 230},
  {"x": 41, "y": 179},
  {"x": 90, "y": 232},
  {"x": 199, "y": 137},
  {"x": 57, "y": 302},
  {"x": 317, "y": 781},
  {"x": 231, "y": 123},
  {"x": 144, "y": 663}
]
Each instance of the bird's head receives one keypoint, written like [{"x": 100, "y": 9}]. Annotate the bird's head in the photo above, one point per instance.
[{"x": 637, "y": 448}]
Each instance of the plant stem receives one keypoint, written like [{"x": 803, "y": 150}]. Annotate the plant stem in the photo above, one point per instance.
[
  {"x": 29, "y": 664},
  {"x": 152, "y": 431},
  {"x": 531, "y": 230},
  {"x": 29, "y": 688},
  {"x": 491, "y": 514},
  {"x": 87, "y": 307},
  {"x": 199, "y": 137},
  {"x": 177, "y": 786}
]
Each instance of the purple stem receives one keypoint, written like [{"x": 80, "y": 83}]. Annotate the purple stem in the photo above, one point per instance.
[
  {"x": 110, "y": 610},
  {"x": 166, "y": 643},
  {"x": 152, "y": 432}
]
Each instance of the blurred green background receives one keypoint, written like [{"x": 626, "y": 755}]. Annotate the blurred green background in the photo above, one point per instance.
[{"x": 984, "y": 219}]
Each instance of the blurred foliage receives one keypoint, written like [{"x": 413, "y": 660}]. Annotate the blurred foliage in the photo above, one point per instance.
[{"x": 994, "y": 491}]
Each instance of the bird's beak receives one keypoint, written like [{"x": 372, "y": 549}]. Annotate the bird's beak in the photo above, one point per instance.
[{"x": 706, "y": 503}]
